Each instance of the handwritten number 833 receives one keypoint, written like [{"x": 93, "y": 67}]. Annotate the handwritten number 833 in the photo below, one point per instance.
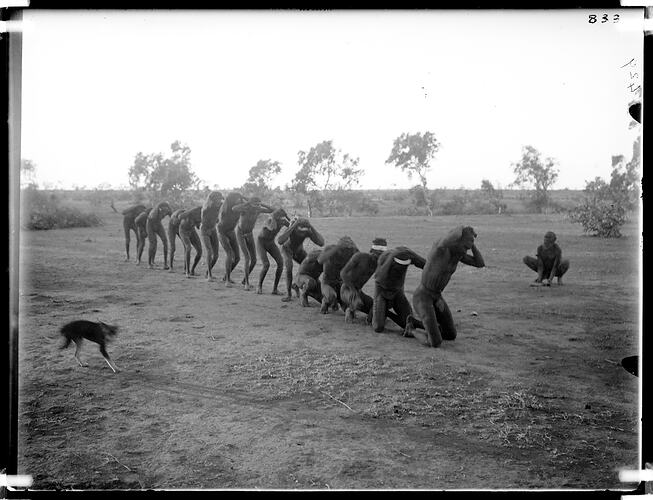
[{"x": 605, "y": 18}]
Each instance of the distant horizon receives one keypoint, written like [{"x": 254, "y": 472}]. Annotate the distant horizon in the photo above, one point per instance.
[{"x": 128, "y": 189}]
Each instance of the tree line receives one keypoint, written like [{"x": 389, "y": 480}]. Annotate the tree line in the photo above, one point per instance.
[{"x": 326, "y": 179}]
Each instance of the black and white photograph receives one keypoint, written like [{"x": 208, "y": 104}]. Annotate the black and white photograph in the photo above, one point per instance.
[{"x": 326, "y": 250}]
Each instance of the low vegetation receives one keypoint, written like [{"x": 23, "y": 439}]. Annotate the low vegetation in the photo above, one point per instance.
[{"x": 42, "y": 210}]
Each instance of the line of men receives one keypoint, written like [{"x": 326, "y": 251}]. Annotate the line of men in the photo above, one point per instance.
[{"x": 334, "y": 275}]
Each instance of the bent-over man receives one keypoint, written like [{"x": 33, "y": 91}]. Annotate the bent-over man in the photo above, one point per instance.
[
  {"x": 227, "y": 221},
  {"x": 441, "y": 263},
  {"x": 189, "y": 222},
  {"x": 208, "y": 231},
  {"x": 292, "y": 247},
  {"x": 333, "y": 258},
  {"x": 266, "y": 245},
  {"x": 155, "y": 228},
  {"x": 389, "y": 297},
  {"x": 307, "y": 282},
  {"x": 128, "y": 224},
  {"x": 140, "y": 222},
  {"x": 173, "y": 232},
  {"x": 249, "y": 212},
  {"x": 358, "y": 270}
]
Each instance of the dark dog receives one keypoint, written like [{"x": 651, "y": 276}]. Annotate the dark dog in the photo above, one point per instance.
[{"x": 99, "y": 332}]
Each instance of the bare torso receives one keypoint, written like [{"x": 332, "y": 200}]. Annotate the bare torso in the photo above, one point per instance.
[{"x": 390, "y": 274}]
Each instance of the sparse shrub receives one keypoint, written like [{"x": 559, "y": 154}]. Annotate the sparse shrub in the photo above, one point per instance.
[
  {"x": 600, "y": 218},
  {"x": 42, "y": 211},
  {"x": 367, "y": 205},
  {"x": 412, "y": 211},
  {"x": 455, "y": 206},
  {"x": 418, "y": 195}
]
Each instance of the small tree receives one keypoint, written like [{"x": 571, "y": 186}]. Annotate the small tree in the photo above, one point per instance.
[
  {"x": 607, "y": 204},
  {"x": 323, "y": 172},
  {"x": 27, "y": 173},
  {"x": 166, "y": 176},
  {"x": 494, "y": 196},
  {"x": 260, "y": 176},
  {"x": 534, "y": 173},
  {"x": 412, "y": 153},
  {"x": 419, "y": 196}
]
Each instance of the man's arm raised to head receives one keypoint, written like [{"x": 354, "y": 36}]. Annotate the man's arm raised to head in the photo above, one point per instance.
[
  {"x": 476, "y": 259},
  {"x": 417, "y": 260},
  {"x": 285, "y": 236},
  {"x": 316, "y": 237},
  {"x": 241, "y": 207}
]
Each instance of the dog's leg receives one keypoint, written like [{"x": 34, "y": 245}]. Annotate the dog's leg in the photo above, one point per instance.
[
  {"x": 78, "y": 347},
  {"x": 105, "y": 354}
]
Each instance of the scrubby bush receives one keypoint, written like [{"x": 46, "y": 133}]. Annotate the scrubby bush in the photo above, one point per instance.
[
  {"x": 600, "y": 218},
  {"x": 412, "y": 211},
  {"x": 44, "y": 211},
  {"x": 604, "y": 209}
]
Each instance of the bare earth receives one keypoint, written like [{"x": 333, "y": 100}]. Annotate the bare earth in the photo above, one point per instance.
[{"x": 223, "y": 388}]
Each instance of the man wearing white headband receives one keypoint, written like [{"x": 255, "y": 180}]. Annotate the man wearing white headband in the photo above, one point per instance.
[
  {"x": 355, "y": 274},
  {"x": 389, "y": 298},
  {"x": 442, "y": 262},
  {"x": 333, "y": 258}
]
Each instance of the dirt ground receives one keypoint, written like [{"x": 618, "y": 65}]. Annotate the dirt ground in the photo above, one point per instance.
[{"x": 223, "y": 388}]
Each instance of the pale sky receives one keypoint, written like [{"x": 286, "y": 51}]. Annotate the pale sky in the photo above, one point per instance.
[{"x": 238, "y": 87}]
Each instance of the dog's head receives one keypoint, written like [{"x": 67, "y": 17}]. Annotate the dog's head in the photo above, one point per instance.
[{"x": 108, "y": 330}]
